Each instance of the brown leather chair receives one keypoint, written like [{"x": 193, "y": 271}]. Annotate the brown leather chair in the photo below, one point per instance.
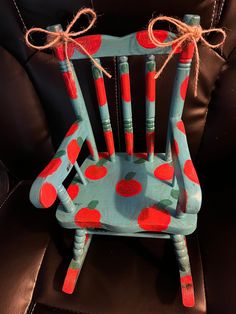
[{"x": 35, "y": 251}]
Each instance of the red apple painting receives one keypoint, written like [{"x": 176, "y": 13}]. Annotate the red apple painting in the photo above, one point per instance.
[
  {"x": 88, "y": 217},
  {"x": 97, "y": 171},
  {"x": 154, "y": 219},
  {"x": 164, "y": 172},
  {"x": 128, "y": 186},
  {"x": 73, "y": 149},
  {"x": 54, "y": 164}
]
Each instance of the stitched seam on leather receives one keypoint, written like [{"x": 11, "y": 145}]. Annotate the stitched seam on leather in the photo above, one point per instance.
[
  {"x": 213, "y": 14},
  {"x": 33, "y": 308},
  {"x": 10, "y": 194},
  {"x": 117, "y": 104},
  {"x": 220, "y": 11},
  {"x": 202, "y": 272},
  {"x": 19, "y": 14}
]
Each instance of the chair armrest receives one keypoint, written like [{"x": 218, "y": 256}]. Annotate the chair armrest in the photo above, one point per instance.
[
  {"x": 190, "y": 197},
  {"x": 44, "y": 190}
]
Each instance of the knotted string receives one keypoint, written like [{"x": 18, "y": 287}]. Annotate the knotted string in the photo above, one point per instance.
[
  {"x": 187, "y": 33},
  {"x": 64, "y": 37}
]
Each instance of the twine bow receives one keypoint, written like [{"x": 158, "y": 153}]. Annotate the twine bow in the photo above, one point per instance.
[
  {"x": 187, "y": 33},
  {"x": 55, "y": 38}
]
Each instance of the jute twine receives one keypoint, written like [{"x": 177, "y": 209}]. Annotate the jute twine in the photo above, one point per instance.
[
  {"x": 67, "y": 36},
  {"x": 186, "y": 34}
]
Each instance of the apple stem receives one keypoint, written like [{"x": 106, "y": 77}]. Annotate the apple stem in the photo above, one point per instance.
[
  {"x": 130, "y": 175},
  {"x": 101, "y": 162},
  {"x": 92, "y": 204}
]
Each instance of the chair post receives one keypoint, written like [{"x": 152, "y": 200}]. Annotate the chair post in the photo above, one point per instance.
[
  {"x": 181, "y": 82},
  {"x": 126, "y": 104},
  {"x": 74, "y": 91},
  {"x": 103, "y": 109},
  {"x": 150, "y": 69}
]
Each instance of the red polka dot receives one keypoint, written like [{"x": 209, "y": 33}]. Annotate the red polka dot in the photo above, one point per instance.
[
  {"x": 144, "y": 41},
  {"x": 91, "y": 43},
  {"x": 180, "y": 126},
  {"x": 47, "y": 195},
  {"x": 183, "y": 87},
  {"x": 73, "y": 190},
  {"x": 154, "y": 219},
  {"x": 72, "y": 129},
  {"x": 73, "y": 150},
  {"x": 164, "y": 172},
  {"x": 190, "y": 171}
]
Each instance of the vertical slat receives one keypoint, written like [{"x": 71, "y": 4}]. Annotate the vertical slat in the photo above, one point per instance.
[
  {"x": 75, "y": 93},
  {"x": 181, "y": 83},
  {"x": 103, "y": 108},
  {"x": 126, "y": 104},
  {"x": 80, "y": 173},
  {"x": 150, "y": 67}
]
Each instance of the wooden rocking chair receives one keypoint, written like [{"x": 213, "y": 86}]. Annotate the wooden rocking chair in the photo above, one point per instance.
[{"x": 125, "y": 194}]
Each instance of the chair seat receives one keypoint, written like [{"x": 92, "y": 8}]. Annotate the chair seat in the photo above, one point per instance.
[{"x": 126, "y": 195}]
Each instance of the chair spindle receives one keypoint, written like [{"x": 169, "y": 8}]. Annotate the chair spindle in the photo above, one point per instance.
[
  {"x": 103, "y": 109},
  {"x": 126, "y": 104},
  {"x": 80, "y": 174},
  {"x": 150, "y": 71}
]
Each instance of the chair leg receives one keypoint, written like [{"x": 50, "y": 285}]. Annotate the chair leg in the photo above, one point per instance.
[
  {"x": 186, "y": 280},
  {"x": 81, "y": 244}
]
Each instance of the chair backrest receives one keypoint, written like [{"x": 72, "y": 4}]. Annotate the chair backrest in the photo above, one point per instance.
[{"x": 123, "y": 47}]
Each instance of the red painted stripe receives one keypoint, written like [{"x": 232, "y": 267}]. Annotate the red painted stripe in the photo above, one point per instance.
[
  {"x": 129, "y": 140},
  {"x": 125, "y": 87},
  {"x": 187, "y": 291},
  {"x": 70, "y": 280},
  {"x": 109, "y": 142},
  {"x": 70, "y": 84},
  {"x": 184, "y": 87},
  {"x": 90, "y": 147},
  {"x": 150, "y": 86},
  {"x": 101, "y": 92},
  {"x": 150, "y": 138},
  {"x": 187, "y": 53}
]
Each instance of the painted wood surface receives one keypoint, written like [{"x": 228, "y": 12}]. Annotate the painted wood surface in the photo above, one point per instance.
[
  {"x": 148, "y": 195},
  {"x": 108, "y": 46},
  {"x": 127, "y": 196}
]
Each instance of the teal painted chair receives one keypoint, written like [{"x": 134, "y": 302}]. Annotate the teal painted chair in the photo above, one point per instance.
[{"x": 124, "y": 194}]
